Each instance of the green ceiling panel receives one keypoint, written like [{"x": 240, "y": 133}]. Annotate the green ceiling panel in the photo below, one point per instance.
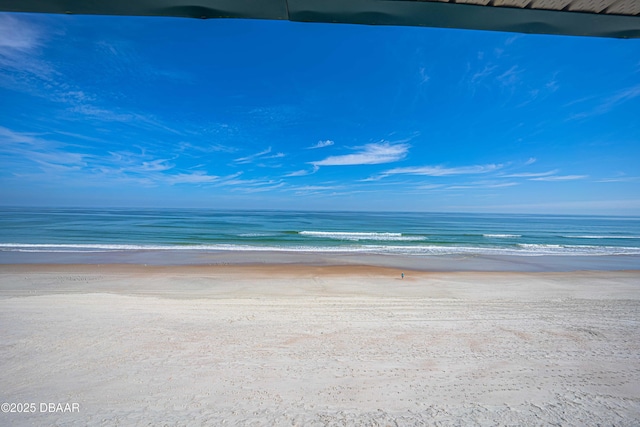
[{"x": 607, "y": 22}]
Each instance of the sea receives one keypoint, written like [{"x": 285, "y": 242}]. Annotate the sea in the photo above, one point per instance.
[{"x": 182, "y": 236}]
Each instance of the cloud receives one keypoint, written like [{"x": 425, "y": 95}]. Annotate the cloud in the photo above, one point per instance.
[
  {"x": 248, "y": 185},
  {"x": 21, "y": 150},
  {"x": 622, "y": 96},
  {"x": 143, "y": 121},
  {"x": 509, "y": 77},
  {"x": 480, "y": 185},
  {"x": 424, "y": 77},
  {"x": 198, "y": 177},
  {"x": 560, "y": 178},
  {"x": 262, "y": 155},
  {"x": 103, "y": 114},
  {"x": 189, "y": 148},
  {"x": 321, "y": 144},
  {"x": 257, "y": 186},
  {"x": 34, "y": 156},
  {"x": 610, "y": 103},
  {"x": 11, "y": 137},
  {"x": 621, "y": 179},
  {"x": 311, "y": 189},
  {"x": 158, "y": 165},
  {"x": 251, "y": 158},
  {"x": 16, "y": 35},
  {"x": 531, "y": 174},
  {"x": 531, "y": 161},
  {"x": 303, "y": 172},
  {"x": 481, "y": 75},
  {"x": 443, "y": 171},
  {"x": 552, "y": 86},
  {"x": 20, "y": 66},
  {"x": 370, "y": 154},
  {"x": 429, "y": 186}
]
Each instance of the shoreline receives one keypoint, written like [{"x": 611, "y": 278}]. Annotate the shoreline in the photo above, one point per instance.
[
  {"x": 427, "y": 263},
  {"x": 310, "y": 281}
]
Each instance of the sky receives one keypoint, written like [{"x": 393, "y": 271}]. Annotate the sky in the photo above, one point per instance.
[{"x": 247, "y": 114}]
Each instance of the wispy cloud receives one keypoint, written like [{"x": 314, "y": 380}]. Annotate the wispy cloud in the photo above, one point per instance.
[
  {"x": 252, "y": 185},
  {"x": 610, "y": 102},
  {"x": 531, "y": 161},
  {"x": 424, "y": 77},
  {"x": 560, "y": 178},
  {"x": 621, "y": 179},
  {"x": 552, "y": 85},
  {"x": 481, "y": 185},
  {"x": 315, "y": 189},
  {"x": 158, "y": 165},
  {"x": 303, "y": 172},
  {"x": 207, "y": 148},
  {"x": 429, "y": 186},
  {"x": 257, "y": 186},
  {"x": 103, "y": 114},
  {"x": 20, "y": 65},
  {"x": 22, "y": 150},
  {"x": 89, "y": 111},
  {"x": 17, "y": 35},
  {"x": 531, "y": 174},
  {"x": 253, "y": 157},
  {"x": 479, "y": 76},
  {"x": 122, "y": 59},
  {"x": 321, "y": 144},
  {"x": 370, "y": 154},
  {"x": 25, "y": 67},
  {"x": 36, "y": 157},
  {"x": 198, "y": 177},
  {"x": 509, "y": 77},
  {"x": 8, "y": 136},
  {"x": 443, "y": 171}
]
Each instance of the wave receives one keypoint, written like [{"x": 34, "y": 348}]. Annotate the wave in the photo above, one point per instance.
[
  {"x": 410, "y": 250},
  {"x": 357, "y": 236},
  {"x": 86, "y": 247},
  {"x": 548, "y": 249},
  {"x": 601, "y": 237},
  {"x": 502, "y": 236}
]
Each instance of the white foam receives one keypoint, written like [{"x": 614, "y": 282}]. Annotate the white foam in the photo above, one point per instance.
[
  {"x": 412, "y": 250},
  {"x": 502, "y": 236},
  {"x": 353, "y": 236},
  {"x": 602, "y": 237},
  {"x": 73, "y": 247},
  {"x": 545, "y": 249}
]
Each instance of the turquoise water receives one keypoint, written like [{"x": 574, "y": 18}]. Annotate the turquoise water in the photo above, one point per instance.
[{"x": 414, "y": 234}]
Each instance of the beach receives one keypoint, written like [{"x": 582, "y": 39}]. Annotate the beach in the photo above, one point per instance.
[{"x": 296, "y": 344}]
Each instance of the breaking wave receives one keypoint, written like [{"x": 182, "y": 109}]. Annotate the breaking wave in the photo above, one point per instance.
[
  {"x": 411, "y": 250},
  {"x": 353, "y": 236}
]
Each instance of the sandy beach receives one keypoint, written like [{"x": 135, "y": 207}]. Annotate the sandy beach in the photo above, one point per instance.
[{"x": 323, "y": 345}]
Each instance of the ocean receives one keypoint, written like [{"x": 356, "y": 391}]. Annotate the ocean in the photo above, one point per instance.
[{"x": 110, "y": 231}]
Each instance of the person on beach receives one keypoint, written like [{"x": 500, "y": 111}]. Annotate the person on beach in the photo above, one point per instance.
[{"x": 402, "y": 275}]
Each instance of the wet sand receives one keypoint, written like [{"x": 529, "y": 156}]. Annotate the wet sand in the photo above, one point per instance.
[{"x": 318, "y": 345}]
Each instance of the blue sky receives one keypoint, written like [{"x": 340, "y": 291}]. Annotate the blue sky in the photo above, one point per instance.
[{"x": 167, "y": 112}]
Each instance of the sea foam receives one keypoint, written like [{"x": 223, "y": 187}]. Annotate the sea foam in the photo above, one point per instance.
[{"x": 357, "y": 236}]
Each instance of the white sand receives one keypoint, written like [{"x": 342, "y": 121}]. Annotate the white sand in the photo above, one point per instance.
[{"x": 319, "y": 346}]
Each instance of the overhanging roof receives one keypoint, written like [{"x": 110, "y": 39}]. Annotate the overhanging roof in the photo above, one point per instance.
[{"x": 601, "y": 18}]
